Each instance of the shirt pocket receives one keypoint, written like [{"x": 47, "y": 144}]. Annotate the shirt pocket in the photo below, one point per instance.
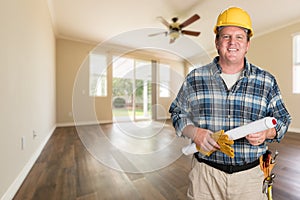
[{"x": 254, "y": 108}]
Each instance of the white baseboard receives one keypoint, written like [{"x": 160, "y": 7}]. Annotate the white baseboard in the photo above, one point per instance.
[
  {"x": 163, "y": 117},
  {"x": 14, "y": 187},
  {"x": 294, "y": 130},
  {"x": 83, "y": 123}
]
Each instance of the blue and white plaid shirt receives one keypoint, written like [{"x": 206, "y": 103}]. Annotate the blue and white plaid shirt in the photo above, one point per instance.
[{"x": 204, "y": 101}]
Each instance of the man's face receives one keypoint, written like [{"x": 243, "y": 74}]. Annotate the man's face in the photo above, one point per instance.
[{"x": 232, "y": 44}]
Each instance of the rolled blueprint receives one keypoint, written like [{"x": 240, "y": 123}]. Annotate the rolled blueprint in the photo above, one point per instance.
[
  {"x": 240, "y": 132},
  {"x": 252, "y": 127}
]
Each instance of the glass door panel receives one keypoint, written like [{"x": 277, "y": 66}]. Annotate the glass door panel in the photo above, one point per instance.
[
  {"x": 131, "y": 89},
  {"x": 122, "y": 99}
]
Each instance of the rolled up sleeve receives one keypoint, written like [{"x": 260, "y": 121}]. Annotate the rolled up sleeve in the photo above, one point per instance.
[
  {"x": 280, "y": 112},
  {"x": 180, "y": 110}
]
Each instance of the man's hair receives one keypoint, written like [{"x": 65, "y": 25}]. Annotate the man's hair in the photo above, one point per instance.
[{"x": 247, "y": 31}]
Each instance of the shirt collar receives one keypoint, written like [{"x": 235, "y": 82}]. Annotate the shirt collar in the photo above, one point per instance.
[{"x": 216, "y": 68}]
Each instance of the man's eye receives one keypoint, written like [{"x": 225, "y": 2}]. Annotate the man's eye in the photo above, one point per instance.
[{"x": 225, "y": 36}]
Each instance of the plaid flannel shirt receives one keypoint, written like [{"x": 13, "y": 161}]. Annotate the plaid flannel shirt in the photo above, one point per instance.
[{"x": 204, "y": 101}]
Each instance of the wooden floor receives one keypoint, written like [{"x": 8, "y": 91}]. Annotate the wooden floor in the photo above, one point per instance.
[{"x": 65, "y": 170}]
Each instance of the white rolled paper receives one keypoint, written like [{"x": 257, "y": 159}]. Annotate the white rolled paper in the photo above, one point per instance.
[
  {"x": 189, "y": 149},
  {"x": 252, "y": 127},
  {"x": 240, "y": 132}
]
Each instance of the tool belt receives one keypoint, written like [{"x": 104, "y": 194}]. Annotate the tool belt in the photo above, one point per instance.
[{"x": 229, "y": 169}]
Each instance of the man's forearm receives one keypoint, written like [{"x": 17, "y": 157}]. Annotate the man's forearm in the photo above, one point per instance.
[{"x": 189, "y": 131}]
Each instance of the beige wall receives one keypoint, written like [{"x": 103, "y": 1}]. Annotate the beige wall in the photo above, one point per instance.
[
  {"x": 74, "y": 105},
  {"x": 273, "y": 51},
  {"x": 27, "y": 84},
  {"x": 70, "y": 56}
]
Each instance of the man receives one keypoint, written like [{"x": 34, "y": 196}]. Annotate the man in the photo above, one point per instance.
[{"x": 225, "y": 94}]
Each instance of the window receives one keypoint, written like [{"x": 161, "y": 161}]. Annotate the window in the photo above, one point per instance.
[
  {"x": 98, "y": 75},
  {"x": 296, "y": 64},
  {"x": 164, "y": 80}
]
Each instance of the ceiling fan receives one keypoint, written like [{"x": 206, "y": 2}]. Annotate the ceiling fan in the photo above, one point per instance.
[{"x": 175, "y": 29}]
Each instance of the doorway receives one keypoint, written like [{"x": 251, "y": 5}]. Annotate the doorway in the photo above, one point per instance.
[{"x": 132, "y": 89}]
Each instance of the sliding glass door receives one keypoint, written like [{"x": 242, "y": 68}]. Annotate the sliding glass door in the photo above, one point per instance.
[{"x": 131, "y": 89}]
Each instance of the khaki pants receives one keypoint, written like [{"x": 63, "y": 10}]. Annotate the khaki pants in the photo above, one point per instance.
[{"x": 208, "y": 183}]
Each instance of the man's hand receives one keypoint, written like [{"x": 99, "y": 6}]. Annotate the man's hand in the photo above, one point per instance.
[
  {"x": 260, "y": 137},
  {"x": 214, "y": 141},
  {"x": 207, "y": 142},
  {"x": 204, "y": 141}
]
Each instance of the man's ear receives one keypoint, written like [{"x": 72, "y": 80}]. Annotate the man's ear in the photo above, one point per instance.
[
  {"x": 217, "y": 43},
  {"x": 248, "y": 45}
]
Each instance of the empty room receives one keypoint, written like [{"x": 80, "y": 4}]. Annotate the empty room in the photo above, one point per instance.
[{"x": 159, "y": 100}]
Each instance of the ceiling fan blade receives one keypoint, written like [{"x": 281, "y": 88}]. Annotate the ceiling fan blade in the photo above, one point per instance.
[
  {"x": 160, "y": 33},
  {"x": 165, "y": 22},
  {"x": 189, "y": 21},
  {"x": 193, "y": 33}
]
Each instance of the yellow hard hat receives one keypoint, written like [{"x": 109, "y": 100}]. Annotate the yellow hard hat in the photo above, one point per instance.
[{"x": 234, "y": 16}]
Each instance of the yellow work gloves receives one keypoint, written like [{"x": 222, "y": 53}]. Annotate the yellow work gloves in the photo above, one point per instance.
[{"x": 223, "y": 141}]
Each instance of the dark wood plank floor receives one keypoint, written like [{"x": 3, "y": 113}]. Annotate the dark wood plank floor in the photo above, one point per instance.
[
  {"x": 287, "y": 169},
  {"x": 65, "y": 170}
]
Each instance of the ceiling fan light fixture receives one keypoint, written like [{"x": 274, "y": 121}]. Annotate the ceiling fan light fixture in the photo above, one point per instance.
[
  {"x": 174, "y": 34},
  {"x": 175, "y": 28}
]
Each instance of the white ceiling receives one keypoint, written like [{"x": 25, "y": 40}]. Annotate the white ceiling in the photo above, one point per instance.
[{"x": 128, "y": 22}]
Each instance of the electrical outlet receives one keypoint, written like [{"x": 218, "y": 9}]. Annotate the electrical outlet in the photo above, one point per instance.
[
  {"x": 22, "y": 142},
  {"x": 34, "y": 134}
]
